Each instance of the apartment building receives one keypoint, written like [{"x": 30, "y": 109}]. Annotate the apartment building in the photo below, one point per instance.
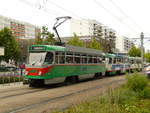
[
  {"x": 123, "y": 44},
  {"x": 86, "y": 29},
  {"x": 22, "y": 30}
]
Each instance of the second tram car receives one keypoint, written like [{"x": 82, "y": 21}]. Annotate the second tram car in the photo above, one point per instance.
[{"x": 117, "y": 64}]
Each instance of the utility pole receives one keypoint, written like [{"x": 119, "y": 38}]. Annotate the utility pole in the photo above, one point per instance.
[{"x": 142, "y": 49}]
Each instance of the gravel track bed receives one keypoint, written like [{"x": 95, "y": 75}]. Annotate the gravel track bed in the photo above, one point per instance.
[{"x": 61, "y": 97}]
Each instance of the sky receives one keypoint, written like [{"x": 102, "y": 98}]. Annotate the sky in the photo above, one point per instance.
[{"x": 127, "y": 17}]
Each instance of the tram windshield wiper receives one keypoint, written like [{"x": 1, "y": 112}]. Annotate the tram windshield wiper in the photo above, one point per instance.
[{"x": 34, "y": 63}]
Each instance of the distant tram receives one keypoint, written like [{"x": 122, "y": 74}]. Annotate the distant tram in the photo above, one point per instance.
[{"x": 117, "y": 64}]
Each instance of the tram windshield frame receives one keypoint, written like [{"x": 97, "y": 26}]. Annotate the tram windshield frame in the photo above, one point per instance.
[{"x": 39, "y": 58}]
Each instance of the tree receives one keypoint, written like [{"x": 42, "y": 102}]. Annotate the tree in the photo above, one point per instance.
[
  {"x": 147, "y": 57},
  {"x": 38, "y": 39},
  {"x": 134, "y": 52},
  {"x": 9, "y": 42},
  {"x": 76, "y": 41},
  {"x": 50, "y": 39},
  {"x": 23, "y": 45},
  {"x": 94, "y": 44},
  {"x": 45, "y": 37}
]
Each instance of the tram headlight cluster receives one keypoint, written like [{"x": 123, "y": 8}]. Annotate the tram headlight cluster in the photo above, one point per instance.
[
  {"x": 40, "y": 73},
  {"x": 26, "y": 72}
]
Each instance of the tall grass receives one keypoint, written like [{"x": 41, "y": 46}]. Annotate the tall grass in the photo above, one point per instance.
[
  {"x": 138, "y": 83},
  {"x": 133, "y": 97}
]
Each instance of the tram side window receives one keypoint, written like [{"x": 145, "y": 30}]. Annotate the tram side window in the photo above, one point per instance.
[
  {"x": 103, "y": 59},
  {"x": 84, "y": 59},
  {"x": 132, "y": 61},
  {"x": 99, "y": 60},
  {"x": 49, "y": 58},
  {"x": 61, "y": 58},
  {"x": 119, "y": 60},
  {"x": 90, "y": 59},
  {"x": 95, "y": 59},
  {"x": 110, "y": 60},
  {"x": 114, "y": 61},
  {"x": 69, "y": 58},
  {"x": 77, "y": 58}
]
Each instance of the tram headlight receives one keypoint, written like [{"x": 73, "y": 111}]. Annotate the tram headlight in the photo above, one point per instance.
[
  {"x": 26, "y": 72},
  {"x": 40, "y": 73}
]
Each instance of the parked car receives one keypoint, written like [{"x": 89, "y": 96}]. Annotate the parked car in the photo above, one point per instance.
[{"x": 147, "y": 70}]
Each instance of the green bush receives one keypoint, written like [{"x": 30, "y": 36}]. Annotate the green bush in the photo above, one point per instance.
[
  {"x": 10, "y": 79},
  {"x": 121, "y": 96},
  {"x": 145, "y": 93},
  {"x": 137, "y": 82}
]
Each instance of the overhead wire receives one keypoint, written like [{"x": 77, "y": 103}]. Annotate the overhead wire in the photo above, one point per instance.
[
  {"x": 133, "y": 21},
  {"x": 123, "y": 12},
  {"x": 40, "y": 7},
  {"x": 112, "y": 14},
  {"x": 49, "y": 11},
  {"x": 66, "y": 10},
  {"x": 70, "y": 12}
]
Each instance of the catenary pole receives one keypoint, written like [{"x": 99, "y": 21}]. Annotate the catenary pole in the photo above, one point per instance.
[{"x": 142, "y": 49}]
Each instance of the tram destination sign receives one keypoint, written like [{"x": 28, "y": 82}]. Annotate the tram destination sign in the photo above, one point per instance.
[{"x": 38, "y": 48}]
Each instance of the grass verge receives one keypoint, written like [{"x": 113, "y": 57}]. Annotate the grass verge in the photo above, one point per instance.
[{"x": 132, "y": 97}]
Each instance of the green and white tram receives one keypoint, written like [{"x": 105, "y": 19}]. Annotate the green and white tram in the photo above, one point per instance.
[{"x": 52, "y": 64}]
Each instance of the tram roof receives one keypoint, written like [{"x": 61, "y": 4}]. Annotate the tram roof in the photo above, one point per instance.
[
  {"x": 137, "y": 58},
  {"x": 46, "y": 48},
  {"x": 110, "y": 55},
  {"x": 69, "y": 48},
  {"x": 83, "y": 50}
]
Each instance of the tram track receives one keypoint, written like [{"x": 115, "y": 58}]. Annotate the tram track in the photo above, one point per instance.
[
  {"x": 31, "y": 90},
  {"x": 57, "y": 98},
  {"x": 23, "y": 93},
  {"x": 15, "y": 89}
]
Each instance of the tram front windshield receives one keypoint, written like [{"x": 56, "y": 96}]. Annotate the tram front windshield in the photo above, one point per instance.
[
  {"x": 41, "y": 58},
  {"x": 37, "y": 58}
]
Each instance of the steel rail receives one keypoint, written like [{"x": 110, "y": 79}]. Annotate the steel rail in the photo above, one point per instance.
[{"x": 30, "y": 106}]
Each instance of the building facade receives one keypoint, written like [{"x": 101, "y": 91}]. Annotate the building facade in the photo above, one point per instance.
[
  {"x": 86, "y": 29},
  {"x": 19, "y": 29},
  {"x": 123, "y": 44}
]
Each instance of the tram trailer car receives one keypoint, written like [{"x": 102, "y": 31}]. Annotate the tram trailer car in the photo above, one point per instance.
[
  {"x": 114, "y": 64},
  {"x": 117, "y": 64},
  {"x": 135, "y": 64},
  {"x": 48, "y": 64}
]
